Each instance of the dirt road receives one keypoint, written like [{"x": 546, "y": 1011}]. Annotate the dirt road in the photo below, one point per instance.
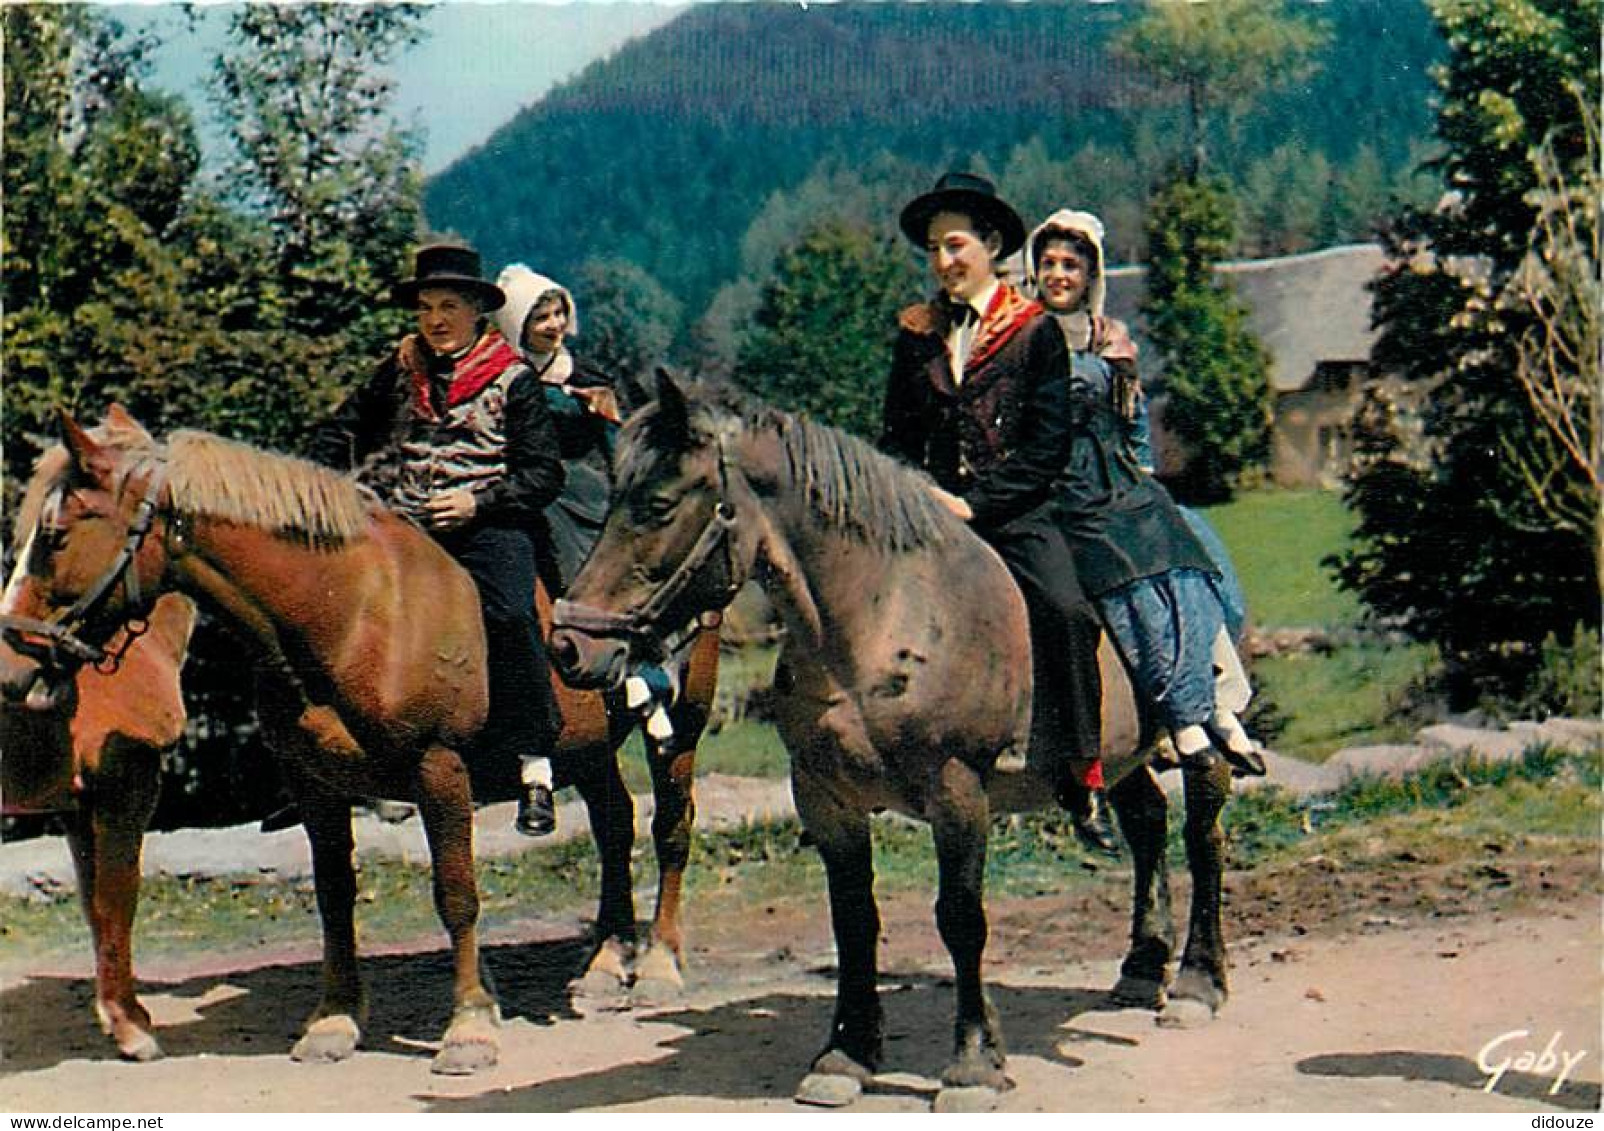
[{"x": 1382, "y": 1015}]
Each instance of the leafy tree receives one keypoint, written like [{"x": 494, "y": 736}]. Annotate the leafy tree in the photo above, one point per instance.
[
  {"x": 1220, "y": 55},
  {"x": 627, "y": 320},
  {"x": 305, "y": 92},
  {"x": 95, "y": 171},
  {"x": 1216, "y": 374},
  {"x": 824, "y": 327},
  {"x": 1490, "y": 545}
]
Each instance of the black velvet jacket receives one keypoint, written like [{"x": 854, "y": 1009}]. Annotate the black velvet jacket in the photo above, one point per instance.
[{"x": 1001, "y": 438}]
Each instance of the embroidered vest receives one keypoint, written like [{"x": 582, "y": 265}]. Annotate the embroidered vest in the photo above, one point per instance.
[{"x": 463, "y": 448}]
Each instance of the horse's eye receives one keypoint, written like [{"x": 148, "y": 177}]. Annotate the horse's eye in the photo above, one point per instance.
[{"x": 662, "y": 508}]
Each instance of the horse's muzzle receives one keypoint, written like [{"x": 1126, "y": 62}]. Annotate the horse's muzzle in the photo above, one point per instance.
[{"x": 589, "y": 662}]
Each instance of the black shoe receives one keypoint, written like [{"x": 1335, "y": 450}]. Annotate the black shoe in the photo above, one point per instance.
[
  {"x": 1088, "y": 815},
  {"x": 537, "y": 811}
]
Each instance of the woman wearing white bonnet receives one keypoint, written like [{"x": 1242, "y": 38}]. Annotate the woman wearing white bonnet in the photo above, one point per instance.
[
  {"x": 1173, "y": 613},
  {"x": 538, "y": 318}
]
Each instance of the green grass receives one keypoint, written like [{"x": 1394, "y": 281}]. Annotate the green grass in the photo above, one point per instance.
[
  {"x": 1354, "y": 696},
  {"x": 742, "y": 748},
  {"x": 1545, "y": 793},
  {"x": 1277, "y": 539}
]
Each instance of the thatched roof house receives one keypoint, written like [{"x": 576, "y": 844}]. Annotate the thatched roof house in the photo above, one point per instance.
[{"x": 1312, "y": 312}]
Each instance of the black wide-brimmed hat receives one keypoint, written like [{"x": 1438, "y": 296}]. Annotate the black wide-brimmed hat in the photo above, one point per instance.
[
  {"x": 972, "y": 195},
  {"x": 448, "y": 265}
]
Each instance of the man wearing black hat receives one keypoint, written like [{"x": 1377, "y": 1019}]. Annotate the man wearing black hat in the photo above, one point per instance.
[
  {"x": 977, "y": 398},
  {"x": 452, "y": 430}
]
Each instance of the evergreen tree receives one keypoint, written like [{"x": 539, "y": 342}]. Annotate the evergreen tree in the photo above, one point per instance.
[
  {"x": 1473, "y": 554},
  {"x": 822, "y": 340},
  {"x": 1216, "y": 374},
  {"x": 1220, "y": 55}
]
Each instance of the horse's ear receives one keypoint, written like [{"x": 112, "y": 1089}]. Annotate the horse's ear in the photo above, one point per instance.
[
  {"x": 89, "y": 459},
  {"x": 673, "y": 414},
  {"x": 118, "y": 418}
]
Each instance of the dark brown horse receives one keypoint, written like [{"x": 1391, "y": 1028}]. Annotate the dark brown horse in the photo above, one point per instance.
[
  {"x": 905, "y": 676},
  {"x": 358, "y": 696}
]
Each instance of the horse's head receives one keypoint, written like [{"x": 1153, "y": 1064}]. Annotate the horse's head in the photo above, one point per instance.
[
  {"x": 676, "y": 545},
  {"x": 85, "y": 566}
]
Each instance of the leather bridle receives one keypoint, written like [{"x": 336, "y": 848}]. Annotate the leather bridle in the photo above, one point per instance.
[
  {"x": 62, "y": 633},
  {"x": 642, "y": 623}
]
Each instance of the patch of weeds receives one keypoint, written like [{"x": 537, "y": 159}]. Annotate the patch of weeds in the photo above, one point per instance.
[{"x": 1545, "y": 792}]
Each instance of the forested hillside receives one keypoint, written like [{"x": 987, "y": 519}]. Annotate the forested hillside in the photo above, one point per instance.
[{"x": 666, "y": 153}]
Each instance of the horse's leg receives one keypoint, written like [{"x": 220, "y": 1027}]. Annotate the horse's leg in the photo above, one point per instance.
[
  {"x": 334, "y": 1030},
  {"x": 959, "y": 819},
  {"x": 106, "y": 836},
  {"x": 1200, "y": 986},
  {"x": 446, "y": 804},
  {"x": 1143, "y": 818},
  {"x": 658, "y": 973},
  {"x": 612, "y": 823},
  {"x": 857, "y": 1032}
]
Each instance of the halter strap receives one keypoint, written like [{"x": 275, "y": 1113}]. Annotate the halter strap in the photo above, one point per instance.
[
  {"x": 62, "y": 630},
  {"x": 716, "y": 536},
  {"x": 642, "y": 621}
]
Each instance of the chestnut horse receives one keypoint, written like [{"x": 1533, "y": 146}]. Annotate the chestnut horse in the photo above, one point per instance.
[
  {"x": 357, "y": 697},
  {"x": 905, "y": 675},
  {"x": 95, "y": 756}
]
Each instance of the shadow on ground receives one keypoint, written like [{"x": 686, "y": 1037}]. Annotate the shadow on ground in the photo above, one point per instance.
[
  {"x": 259, "y": 1011},
  {"x": 759, "y": 1048}
]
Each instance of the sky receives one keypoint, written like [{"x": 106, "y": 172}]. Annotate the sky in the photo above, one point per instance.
[{"x": 481, "y": 63}]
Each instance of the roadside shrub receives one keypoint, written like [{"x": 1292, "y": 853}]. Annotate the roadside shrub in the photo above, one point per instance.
[{"x": 1568, "y": 679}]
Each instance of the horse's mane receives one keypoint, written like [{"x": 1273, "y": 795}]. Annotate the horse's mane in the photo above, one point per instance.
[
  {"x": 217, "y": 478},
  {"x": 208, "y": 475},
  {"x": 847, "y": 483}
]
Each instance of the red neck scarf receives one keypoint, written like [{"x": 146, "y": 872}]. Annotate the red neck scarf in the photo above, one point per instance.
[
  {"x": 1005, "y": 316},
  {"x": 488, "y": 359}
]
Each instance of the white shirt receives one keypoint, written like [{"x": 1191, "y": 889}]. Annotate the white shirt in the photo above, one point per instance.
[{"x": 961, "y": 339}]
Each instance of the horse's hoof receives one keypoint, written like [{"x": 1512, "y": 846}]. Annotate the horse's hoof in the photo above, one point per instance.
[
  {"x": 657, "y": 978},
  {"x": 968, "y": 1099},
  {"x": 470, "y": 1042},
  {"x": 650, "y": 993},
  {"x": 464, "y": 1057},
  {"x": 1184, "y": 1013},
  {"x": 1194, "y": 1000},
  {"x": 141, "y": 1048},
  {"x": 823, "y": 1089},
  {"x": 1137, "y": 993},
  {"x": 327, "y": 1040},
  {"x": 598, "y": 984},
  {"x": 607, "y": 976},
  {"x": 982, "y": 1073}
]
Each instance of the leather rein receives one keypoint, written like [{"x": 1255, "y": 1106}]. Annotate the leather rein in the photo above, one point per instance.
[{"x": 62, "y": 632}]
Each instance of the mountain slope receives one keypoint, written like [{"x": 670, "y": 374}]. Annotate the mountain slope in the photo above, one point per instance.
[{"x": 664, "y": 153}]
